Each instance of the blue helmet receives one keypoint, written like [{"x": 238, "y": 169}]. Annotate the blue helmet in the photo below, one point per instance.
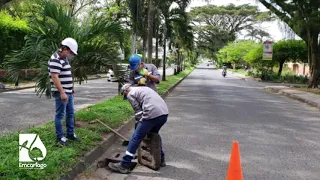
[{"x": 134, "y": 61}]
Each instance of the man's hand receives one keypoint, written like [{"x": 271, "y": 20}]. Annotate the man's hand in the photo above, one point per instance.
[
  {"x": 144, "y": 72},
  {"x": 142, "y": 82},
  {"x": 64, "y": 97}
]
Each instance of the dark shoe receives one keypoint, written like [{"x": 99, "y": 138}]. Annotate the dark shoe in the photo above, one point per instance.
[
  {"x": 63, "y": 141},
  {"x": 163, "y": 164},
  {"x": 73, "y": 138},
  {"x": 118, "y": 168}
]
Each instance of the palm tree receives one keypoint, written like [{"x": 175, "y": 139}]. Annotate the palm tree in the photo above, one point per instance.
[
  {"x": 175, "y": 16},
  {"x": 96, "y": 38},
  {"x": 169, "y": 16},
  {"x": 257, "y": 34},
  {"x": 139, "y": 17}
]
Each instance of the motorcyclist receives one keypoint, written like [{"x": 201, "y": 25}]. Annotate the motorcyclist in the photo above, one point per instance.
[{"x": 224, "y": 69}]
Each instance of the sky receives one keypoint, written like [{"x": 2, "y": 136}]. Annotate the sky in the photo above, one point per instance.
[{"x": 271, "y": 27}]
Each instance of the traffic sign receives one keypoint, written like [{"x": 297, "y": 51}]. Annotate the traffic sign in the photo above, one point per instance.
[{"x": 267, "y": 50}]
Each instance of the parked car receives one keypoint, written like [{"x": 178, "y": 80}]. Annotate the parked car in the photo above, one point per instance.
[{"x": 111, "y": 77}]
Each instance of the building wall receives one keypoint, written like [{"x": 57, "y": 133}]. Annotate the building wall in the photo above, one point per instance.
[{"x": 299, "y": 68}]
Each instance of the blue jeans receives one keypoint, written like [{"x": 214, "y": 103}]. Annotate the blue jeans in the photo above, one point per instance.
[
  {"x": 143, "y": 128},
  {"x": 64, "y": 109}
]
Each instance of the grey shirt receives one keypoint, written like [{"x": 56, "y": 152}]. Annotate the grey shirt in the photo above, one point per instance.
[
  {"x": 134, "y": 76},
  {"x": 146, "y": 103}
]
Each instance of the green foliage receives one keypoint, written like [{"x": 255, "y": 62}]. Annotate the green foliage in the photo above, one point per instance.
[
  {"x": 290, "y": 50},
  {"x": 269, "y": 75},
  {"x": 235, "y": 52},
  {"x": 12, "y": 33},
  {"x": 98, "y": 40},
  {"x": 254, "y": 56}
]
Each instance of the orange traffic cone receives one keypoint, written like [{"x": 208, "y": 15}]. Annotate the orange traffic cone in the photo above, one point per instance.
[{"x": 235, "y": 170}]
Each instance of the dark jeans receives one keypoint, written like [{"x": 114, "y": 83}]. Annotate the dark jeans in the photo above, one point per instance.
[
  {"x": 143, "y": 128},
  {"x": 64, "y": 109}
]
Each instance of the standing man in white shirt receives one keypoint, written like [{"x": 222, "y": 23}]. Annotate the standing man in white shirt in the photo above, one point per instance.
[{"x": 62, "y": 89}]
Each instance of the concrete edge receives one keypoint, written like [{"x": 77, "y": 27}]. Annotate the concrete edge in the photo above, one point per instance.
[
  {"x": 98, "y": 151},
  {"x": 293, "y": 96}
]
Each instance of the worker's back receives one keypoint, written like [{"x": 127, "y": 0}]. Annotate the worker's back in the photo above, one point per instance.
[{"x": 152, "y": 104}]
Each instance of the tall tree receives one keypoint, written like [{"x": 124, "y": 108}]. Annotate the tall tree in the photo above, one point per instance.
[
  {"x": 150, "y": 29},
  {"x": 303, "y": 18},
  {"x": 289, "y": 50},
  {"x": 257, "y": 34},
  {"x": 170, "y": 16},
  {"x": 138, "y": 11},
  {"x": 215, "y": 25}
]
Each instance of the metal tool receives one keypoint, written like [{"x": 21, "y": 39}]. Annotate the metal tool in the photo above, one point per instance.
[{"x": 124, "y": 143}]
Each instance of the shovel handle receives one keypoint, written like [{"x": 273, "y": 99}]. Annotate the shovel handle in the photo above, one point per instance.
[{"x": 113, "y": 130}]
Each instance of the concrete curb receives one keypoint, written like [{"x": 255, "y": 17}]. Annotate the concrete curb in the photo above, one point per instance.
[
  {"x": 293, "y": 96},
  {"x": 98, "y": 151}
]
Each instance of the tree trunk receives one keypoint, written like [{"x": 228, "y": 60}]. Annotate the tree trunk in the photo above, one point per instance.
[
  {"x": 176, "y": 69},
  {"x": 157, "y": 47},
  {"x": 314, "y": 68},
  {"x": 164, "y": 60},
  {"x": 144, "y": 47},
  {"x": 150, "y": 31},
  {"x": 281, "y": 62},
  {"x": 133, "y": 45}
]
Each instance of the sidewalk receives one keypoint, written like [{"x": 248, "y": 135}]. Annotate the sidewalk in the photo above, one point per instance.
[
  {"x": 305, "y": 97},
  {"x": 244, "y": 77},
  {"x": 286, "y": 89}
]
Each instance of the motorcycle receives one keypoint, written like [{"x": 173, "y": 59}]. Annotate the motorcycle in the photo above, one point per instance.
[{"x": 224, "y": 73}]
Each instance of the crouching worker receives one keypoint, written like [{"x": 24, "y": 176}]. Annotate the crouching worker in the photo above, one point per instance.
[{"x": 151, "y": 112}]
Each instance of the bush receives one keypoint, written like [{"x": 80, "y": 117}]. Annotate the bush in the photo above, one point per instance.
[
  {"x": 27, "y": 75},
  {"x": 12, "y": 33},
  {"x": 270, "y": 75}
]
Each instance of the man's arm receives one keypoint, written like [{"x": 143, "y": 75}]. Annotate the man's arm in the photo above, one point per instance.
[
  {"x": 56, "y": 82},
  {"x": 155, "y": 75}
]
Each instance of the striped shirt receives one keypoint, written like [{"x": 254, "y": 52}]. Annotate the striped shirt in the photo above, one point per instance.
[{"x": 62, "y": 67}]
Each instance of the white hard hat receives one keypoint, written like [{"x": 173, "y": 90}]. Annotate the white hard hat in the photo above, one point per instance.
[
  {"x": 125, "y": 87},
  {"x": 72, "y": 44}
]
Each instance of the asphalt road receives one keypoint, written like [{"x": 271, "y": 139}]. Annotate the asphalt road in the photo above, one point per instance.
[{"x": 278, "y": 136}]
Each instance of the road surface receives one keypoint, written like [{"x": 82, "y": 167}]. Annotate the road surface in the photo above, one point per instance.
[{"x": 278, "y": 136}]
